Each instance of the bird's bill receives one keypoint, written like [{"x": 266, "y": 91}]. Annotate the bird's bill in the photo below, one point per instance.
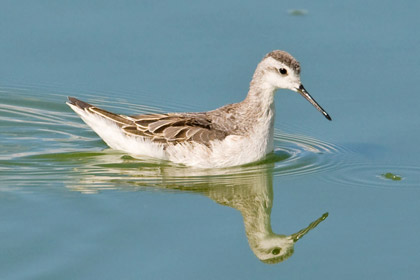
[
  {"x": 298, "y": 235},
  {"x": 308, "y": 97}
]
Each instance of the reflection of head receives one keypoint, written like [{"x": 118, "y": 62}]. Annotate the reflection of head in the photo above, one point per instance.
[{"x": 273, "y": 249}]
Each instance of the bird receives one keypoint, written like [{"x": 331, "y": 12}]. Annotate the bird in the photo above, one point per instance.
[{"x": 232, "y": 135}]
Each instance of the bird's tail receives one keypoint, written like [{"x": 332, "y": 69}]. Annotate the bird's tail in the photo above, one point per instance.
[{"x": 82, "y": 108}]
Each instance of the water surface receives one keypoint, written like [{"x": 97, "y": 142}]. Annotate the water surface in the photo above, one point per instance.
[{"x": 70, "y": 208}]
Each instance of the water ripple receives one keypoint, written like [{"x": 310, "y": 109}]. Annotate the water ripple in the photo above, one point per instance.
[
  {"x": 307, "y": 155},
  {"x": 369, "y": 175},
  {"x": 48, "y": 143}
]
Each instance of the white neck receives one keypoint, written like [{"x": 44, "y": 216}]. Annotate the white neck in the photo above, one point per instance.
[
  {"x": 261, "y": 92},
  {"x": 259, "y": 109}
]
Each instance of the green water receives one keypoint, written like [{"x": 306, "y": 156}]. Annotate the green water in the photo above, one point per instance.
[{"x": 71, "y": 208}]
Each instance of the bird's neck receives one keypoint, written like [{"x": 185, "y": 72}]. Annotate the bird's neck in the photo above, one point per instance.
[
  {"x": 261, "y": 91},
  {"x": 259, "y": 102},
  {"x": 258, "y": 112},
  {"x": 260, "y": 99}
]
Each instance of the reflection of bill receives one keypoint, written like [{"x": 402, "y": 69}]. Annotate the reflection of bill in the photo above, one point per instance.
[{"x": 247, "y": 189}]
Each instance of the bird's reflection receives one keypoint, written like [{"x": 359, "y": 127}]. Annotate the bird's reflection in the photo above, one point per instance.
[
  {"x": 253, "y": 197},
  {"x": 246, "y": 189}
]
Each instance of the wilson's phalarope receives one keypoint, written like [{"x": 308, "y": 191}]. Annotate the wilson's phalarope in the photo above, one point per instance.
[{"x": 231, "y": 135}]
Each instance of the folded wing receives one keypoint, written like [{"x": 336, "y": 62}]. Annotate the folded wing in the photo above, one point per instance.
[
  {"x": 175, "y": 128},
  {"x": 162, "y": 128}
]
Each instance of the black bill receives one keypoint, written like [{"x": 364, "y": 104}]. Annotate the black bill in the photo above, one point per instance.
[{"x": 308, "y": 97}]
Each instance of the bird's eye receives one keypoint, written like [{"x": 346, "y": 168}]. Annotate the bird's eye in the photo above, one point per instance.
[
  {"x": 276, "y": 251},
  {"x": 283, "y": 71}
]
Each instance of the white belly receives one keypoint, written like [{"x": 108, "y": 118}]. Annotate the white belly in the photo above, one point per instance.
[{"x": 233, "y": 150}]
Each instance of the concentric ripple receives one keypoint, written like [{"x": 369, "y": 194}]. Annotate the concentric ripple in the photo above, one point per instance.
[
  {"x": 368, "y": 175},
  {"x": 307, "y": 155}
]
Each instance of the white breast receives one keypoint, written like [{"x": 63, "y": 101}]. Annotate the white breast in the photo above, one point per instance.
[{"x": 233, "y": 150}]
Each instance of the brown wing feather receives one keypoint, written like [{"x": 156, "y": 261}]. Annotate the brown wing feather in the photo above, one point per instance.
[
  {"x": 174, "y": 128},
  {"x": 118, "y": 119},
  {"x": 162, "y": 128}
]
